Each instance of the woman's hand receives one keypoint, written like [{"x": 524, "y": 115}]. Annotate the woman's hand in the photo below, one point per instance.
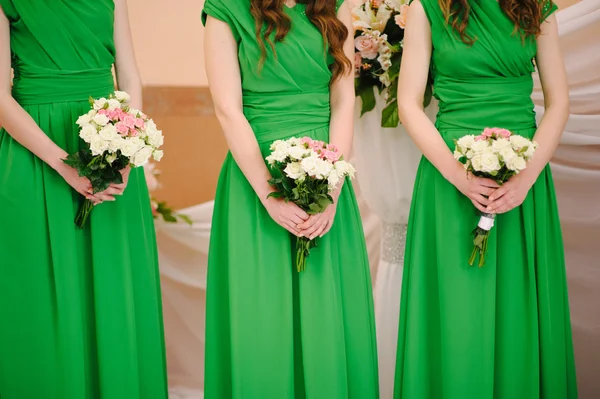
[
  {"x": 80, "y": 184},
  {"x": 478, "y": 189},
  {"x": 116, "y": 189},
  {"x": 511, "y": 194},
  {"x": 318, "y": 225},
  {"x": 287, "y": 214}
]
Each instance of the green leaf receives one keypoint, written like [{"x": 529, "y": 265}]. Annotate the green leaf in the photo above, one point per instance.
[
  {"x": 368, "y": 101},
  {"x": 389, "y": 116}
]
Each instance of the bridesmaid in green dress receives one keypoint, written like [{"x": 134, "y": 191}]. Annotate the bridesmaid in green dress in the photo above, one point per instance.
[
  {"x": 80, "y": 310},
  {"x": 271, "y": 332},
  {"x": 502, "y": 331}
]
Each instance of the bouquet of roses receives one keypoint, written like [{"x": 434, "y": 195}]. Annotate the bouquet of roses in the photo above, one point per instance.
[
  {"x": 378, "y": 39},
  {"x": 305, "y": 172},
  {"x": 161, "y": 208},
  {"x": 495, "y": 154},
  {"x": 116, "y": 136}
]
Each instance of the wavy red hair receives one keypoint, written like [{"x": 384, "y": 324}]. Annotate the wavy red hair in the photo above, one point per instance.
[
  {"x": 270, "y": 18},
  {"x": 526, "y": 15}
]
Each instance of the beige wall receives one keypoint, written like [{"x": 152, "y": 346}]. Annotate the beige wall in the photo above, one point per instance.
[{"x": 167, "y": 36}]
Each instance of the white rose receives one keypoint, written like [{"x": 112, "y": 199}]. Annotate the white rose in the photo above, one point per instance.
[
  {"x": 122, "y": 96},
  {"x": 109, "y": 132},
  {"x": 465, "y": 142},
  {"x": 298, "y": 152},
  {"x": 131, "y": 146},
  {"x": 531, "y": 150},
  {"x": 501, "y": 143},
  {"x": 101, "y": 120},
  {"x": 344, "y": 169},
  {"x": 114, "y": 104},
  {"x": 156, "y": 139},
  {"x": 457, "y": 154},
  {"x": 100, "y": 103},
  {"x": 157, "y": 155},
  {"x": 309, "y": 164},
  {"x": 519, "y": 142},
  {"x": 517, "y": 164},
  {"x": 84, "y": 119},
  {"x": 142, "y": 156},
  {"x": 385, "y": 79},
  {"x": 323, "y": 169},
  {"x": 476, "y": 162},
  {"x": 489, "y": 162},
  {"x": 333, "y": 179},
  {"x": 276, "y": 156},
  {"x": 87, "y": 132},
  {"x": 479, "y": 146},
  {"x": 98, "y": 145},
  {"x": 507, "y": 154},
  {"x": 116, "y": 144},
  {"x": 294, "y": 171}
]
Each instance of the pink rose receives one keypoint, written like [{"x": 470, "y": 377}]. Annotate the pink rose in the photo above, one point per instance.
[
  {"x": 114, "y": 114},
  {"x": 139, "y": 123},
  {"x": 103, "y": 112},
  {"x": 307, "y": 141},
  {"x": 129, "y": 121},
  {"x": 122, "y": 128},
  {"x": 400, "y": 19},
  {"x": 367, "y": 47},
  {"x": 331, "y": 156}
]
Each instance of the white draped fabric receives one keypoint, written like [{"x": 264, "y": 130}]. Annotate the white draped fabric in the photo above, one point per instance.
[{"x": 387, "y": 161}]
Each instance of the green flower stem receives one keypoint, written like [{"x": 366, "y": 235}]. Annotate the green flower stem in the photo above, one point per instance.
[{"x": 84, "y": 213}]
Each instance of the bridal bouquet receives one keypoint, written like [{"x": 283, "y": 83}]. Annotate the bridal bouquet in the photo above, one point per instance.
[
  {"x": 495, "y": 154},
  {"x": 378, "y": 39},
  {"x": 306, "y": 171},
  {"x": 116, "y": 136}
]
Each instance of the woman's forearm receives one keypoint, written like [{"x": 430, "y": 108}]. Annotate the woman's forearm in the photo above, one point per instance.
[
  {"x": 19, "y": 124},
  {"x": 341, "y": 127},
  {"x": 133, "y": 86},
  {"x": 428, "y": 139},
  {"x": 246, "y": 152},
  {"x": 548, "y": 137}
]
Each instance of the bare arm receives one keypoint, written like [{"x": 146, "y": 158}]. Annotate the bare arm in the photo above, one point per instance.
[
  {"x": 556, "y": 97},
  {"x": 341, "y": 129},
  {"x": 128, "y": 76},
  {"x": 222, "y": 68},
  {"x": 13, "y": 117},
  {"x": 412, "y": 82},
  {"x": 556, "y": 100},
  {"x": 19, "y": 124}
]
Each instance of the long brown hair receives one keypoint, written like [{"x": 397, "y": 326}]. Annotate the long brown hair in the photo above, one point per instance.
[
  {"x": 270, "y": 18},
  {"x": 526, "y": 15}
]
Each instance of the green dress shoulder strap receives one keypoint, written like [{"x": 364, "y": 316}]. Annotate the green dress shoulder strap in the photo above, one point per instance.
[
  {"x": 338, "y": 4},
  {"x": 9, "y": 9},
  {"x": 548, "y": 8},
  {"x": 228, "y": 11}
]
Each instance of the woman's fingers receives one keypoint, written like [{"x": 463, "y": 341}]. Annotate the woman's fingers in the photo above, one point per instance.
[
  {"x": 327, "y": 227},
  {"x": 311, "y": 232},
  {"x": 319, "y": 231},
  {"x": 486, "y": 182},
  {"x": 479, "y": 206},
  {"x": 310, "y": 222}
]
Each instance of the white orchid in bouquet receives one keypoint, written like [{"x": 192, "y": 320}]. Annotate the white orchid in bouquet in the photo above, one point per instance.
[
  {"x": 161, "y": 208},
  {"x": 495, "y": 154},
  {"x": 117, "y": 136},
  {"x": 305, "y": 172},
  {"x": 378, "y": 39}
]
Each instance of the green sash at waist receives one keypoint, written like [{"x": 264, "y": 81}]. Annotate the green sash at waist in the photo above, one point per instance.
[
  {"x": 34, "y": 85},
  {"x": 485, "y": 102},
  {"x": 280, "y": 115}
]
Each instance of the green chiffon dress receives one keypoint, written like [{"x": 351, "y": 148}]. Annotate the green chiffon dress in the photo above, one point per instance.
[
  {"x": 502, "y": 331},
  {"x": 271, "y": 332},
  {"x": 80, "y": 310}
]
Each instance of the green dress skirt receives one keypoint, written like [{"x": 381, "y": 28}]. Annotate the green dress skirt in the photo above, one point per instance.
[
  {"x": 271, "y": 332},
  {"x": 502, "y": 331},
  {"x": 80, "y": 310}
]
